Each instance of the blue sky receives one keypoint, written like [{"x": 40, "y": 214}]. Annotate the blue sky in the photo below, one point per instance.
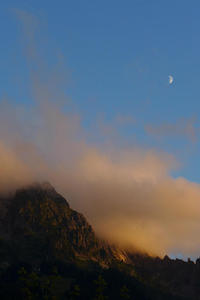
[{"x": 116, "y": 59}]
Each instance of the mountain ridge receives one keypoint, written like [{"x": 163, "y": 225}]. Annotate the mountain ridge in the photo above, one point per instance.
[{"x": 39, "y": 210}]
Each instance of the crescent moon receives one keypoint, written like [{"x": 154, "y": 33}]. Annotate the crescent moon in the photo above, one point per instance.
[{"x": 171, "y": 79}]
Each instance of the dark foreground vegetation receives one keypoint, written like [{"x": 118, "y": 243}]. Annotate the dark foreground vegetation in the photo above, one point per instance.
[{"x": 80, "y": 280}]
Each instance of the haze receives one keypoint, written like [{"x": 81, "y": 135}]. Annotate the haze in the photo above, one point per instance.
[{"x": 131, "y": 189}]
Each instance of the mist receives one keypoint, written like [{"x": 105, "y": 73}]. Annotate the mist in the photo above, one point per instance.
[{"x": 126, "y": 192}]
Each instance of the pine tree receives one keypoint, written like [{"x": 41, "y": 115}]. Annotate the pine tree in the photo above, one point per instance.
[
  {"x": 124, "y": 292},
  {"x": 75, "y": 292},
  {"x": 100, "y": 288}
]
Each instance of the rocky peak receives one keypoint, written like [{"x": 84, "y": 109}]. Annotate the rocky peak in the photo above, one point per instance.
[
  {"x": 39, "y": 216},
  {"x": 39, "y": 192}
]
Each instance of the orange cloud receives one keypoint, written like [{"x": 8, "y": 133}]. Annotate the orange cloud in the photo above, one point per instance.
[{"x": 128, "y": 194}]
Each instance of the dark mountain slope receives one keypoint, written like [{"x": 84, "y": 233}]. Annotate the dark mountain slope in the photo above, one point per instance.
[
  {"x": 174, "y": 275},
  {"x": 39, "y": 223}
]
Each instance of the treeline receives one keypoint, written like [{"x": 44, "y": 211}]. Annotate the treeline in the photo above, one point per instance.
[{"x": 83, "y": 280}]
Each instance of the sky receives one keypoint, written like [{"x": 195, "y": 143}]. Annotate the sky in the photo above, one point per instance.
[
  {"x": 118, "y": 57},
  {"x": 107, "y": 64}
]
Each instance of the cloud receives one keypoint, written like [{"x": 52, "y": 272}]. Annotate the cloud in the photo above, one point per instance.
[
  {"x": 124, "y": 120},
  {"x": 182, "y": 128},
  {"x": 127, "y": 193}
]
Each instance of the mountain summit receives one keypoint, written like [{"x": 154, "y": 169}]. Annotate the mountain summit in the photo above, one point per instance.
[{"x": 40, "y": 220}]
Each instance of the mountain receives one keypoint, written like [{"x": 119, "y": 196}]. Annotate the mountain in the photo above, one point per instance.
[
  {"x": 49, "y": 251},
  {"x": 178, "y": 277},
  {"x": 40, "y": 223}
]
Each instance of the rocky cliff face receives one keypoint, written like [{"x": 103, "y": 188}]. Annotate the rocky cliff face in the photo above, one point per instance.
[{"x": 39, "y": 223}]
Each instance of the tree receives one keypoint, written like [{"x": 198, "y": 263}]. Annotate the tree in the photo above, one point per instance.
[
  {"x": 100, "y": 288},
  {"x": 50, "y": 285},
  {"x": 124, "y": 292},
  {"x": 29, "y": 284},
  {"x": 75, "y": 292}
]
